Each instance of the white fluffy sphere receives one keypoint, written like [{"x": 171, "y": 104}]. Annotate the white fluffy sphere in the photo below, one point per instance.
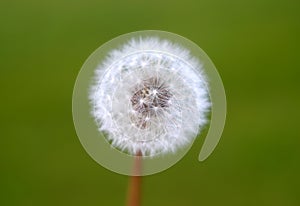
[{"x": 150, "y": 96}]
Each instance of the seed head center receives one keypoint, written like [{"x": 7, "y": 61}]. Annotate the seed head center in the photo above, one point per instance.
[{"x": 149, "y": 98}]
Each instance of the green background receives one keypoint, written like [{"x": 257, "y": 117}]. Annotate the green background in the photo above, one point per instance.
[{"x": 255, "y": 46}]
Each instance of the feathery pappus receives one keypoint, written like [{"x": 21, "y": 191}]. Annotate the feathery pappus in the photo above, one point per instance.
[{"x": 150, "y": 95}]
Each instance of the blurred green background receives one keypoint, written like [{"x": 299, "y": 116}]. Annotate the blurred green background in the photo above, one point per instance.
[{"x": 253, "y": 43}]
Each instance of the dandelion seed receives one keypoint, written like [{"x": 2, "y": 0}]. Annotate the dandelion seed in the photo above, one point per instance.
[{"x": 150, "y": 95}]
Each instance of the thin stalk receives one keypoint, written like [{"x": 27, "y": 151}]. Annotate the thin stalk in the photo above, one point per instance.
[{"x": 134, "y": 190}]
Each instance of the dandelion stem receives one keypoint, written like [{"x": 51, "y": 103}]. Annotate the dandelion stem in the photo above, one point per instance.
[{"x": 134, "y": 190}]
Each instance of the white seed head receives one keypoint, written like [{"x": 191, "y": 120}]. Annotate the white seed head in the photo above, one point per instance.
[{"x": 150, "y": 95}]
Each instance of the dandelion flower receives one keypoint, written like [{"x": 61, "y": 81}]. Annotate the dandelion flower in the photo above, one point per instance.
[{"x": 150, "y": 95}]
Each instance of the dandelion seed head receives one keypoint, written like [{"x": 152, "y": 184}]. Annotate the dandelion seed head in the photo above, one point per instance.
[{"x": 150, "y": 95}]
